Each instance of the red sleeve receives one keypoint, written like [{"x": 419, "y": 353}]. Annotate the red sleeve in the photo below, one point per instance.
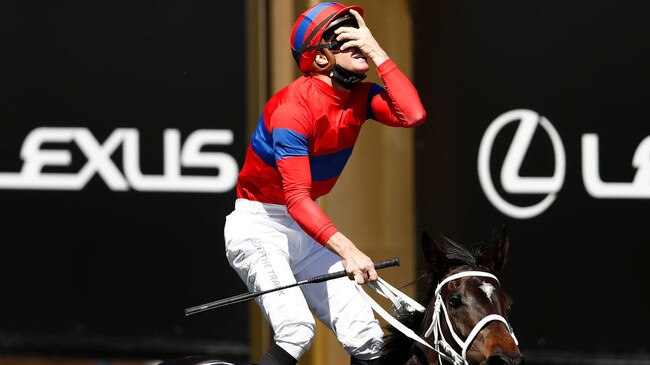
[
  {"x": 399, "y": 105},
  {"x": 296, "y": 182},
  {"x": 290, "y": 129}
]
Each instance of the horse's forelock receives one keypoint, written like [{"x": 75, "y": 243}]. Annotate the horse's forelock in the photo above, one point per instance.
[
  {"x": 458, "y": 255},
  {"x": 455, "y": 255}
]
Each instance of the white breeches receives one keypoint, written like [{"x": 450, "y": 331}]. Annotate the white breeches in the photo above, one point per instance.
[{"x": 268, "y": 249}]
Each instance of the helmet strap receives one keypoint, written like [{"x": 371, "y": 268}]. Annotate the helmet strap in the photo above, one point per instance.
[{"x": 346, "y": 78}]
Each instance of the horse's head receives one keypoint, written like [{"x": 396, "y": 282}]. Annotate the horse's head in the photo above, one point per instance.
[{"x": 467, "y": 317}]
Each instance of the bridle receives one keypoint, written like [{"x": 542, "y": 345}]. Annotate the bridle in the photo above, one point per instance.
[
  {"x": 403, "y": 304},
  {"x": 441, "y": 345}
]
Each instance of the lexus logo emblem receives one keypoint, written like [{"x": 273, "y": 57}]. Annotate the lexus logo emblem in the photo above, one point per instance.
[{"x": 511, "y": 181}]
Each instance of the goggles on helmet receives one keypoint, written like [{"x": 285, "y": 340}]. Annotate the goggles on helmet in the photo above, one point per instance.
[{"x": 346, "y": 20}]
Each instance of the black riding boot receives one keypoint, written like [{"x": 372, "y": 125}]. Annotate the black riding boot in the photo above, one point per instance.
[
  {"x": 377, "y": 361},
  {"x": 277, "y": 356}
]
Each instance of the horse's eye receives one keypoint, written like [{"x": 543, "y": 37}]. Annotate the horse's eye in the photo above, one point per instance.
[{"x": 454, "y": 300}]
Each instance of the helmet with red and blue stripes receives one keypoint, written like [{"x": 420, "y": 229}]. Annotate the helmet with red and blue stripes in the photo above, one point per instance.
[{"x": 308, "y": 30}]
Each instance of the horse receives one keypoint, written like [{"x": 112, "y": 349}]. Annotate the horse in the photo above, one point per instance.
[{"x": 467, "y": 306}]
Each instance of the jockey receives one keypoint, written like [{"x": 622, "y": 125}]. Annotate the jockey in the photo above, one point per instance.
[{"x": 277, "y": 234}]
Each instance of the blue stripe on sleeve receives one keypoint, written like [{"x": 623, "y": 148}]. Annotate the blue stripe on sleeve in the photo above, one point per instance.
[
  {"x": 329, "y": 166},
  {"x": 289, "y": 143},
  {"x": 262, "y": 143},
  {"x": 374, "y": 90}
]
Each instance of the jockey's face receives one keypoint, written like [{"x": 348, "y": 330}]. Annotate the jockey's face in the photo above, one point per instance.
[{"x": 352, "y": 60}]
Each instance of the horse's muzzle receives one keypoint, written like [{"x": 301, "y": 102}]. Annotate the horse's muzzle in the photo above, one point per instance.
[{"x": 502, "y": 359}]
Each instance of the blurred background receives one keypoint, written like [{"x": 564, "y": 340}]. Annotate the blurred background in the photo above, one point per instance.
[{"x": 123, "y": 125}]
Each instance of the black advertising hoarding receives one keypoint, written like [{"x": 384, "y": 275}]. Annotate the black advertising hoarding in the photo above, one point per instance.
[
  {"x": 121, "y": 135},
  {"x": 537, "y": 119}
]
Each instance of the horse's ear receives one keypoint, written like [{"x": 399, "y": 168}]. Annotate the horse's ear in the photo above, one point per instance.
[
  {"x": 433, "y": 255},
  {"x": 497, "y": 253}
]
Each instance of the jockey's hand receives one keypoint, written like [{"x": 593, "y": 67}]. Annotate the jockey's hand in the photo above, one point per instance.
[
  {"x": 357, "y": 265},
  {"x": 362, "y": 39}
]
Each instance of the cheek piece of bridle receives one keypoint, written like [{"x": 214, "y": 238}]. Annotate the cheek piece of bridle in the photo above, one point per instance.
[
  {"x": 403, "y": 304},
  {"x": 442, "y": 346}
]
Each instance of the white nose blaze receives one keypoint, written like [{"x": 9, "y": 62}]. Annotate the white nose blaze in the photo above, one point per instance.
[{"x": 488, "y": 289}]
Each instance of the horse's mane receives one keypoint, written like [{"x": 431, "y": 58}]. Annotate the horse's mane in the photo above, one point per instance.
[{"x": 398, "y": 347}]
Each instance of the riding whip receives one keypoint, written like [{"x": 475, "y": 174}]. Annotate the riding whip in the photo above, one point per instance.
[{"x": 248, "y": 296}]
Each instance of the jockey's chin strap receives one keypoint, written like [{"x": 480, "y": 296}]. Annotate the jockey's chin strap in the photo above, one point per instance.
[{"x": 403, "y": 304}]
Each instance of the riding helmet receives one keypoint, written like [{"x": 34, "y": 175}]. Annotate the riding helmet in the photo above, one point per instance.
[{"x": 308, "y": 30}]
